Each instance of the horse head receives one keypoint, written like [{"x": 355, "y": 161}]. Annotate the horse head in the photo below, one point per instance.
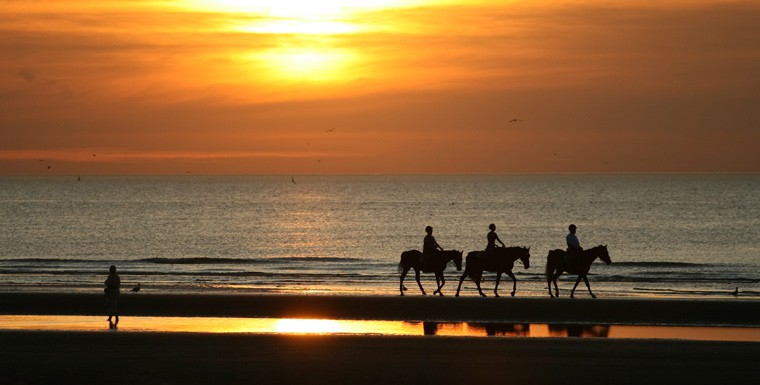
[
  {"x": 458, "y": 259},
  {"x": 525, "y": 257},
  {"x": 604, "y": 255}
]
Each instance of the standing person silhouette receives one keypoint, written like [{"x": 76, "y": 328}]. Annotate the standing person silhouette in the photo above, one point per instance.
[
  {"x": 492, "y": 237},
  {"x": 574, "y": 248},
  {"x": 429, "y": 248},
  {"x": 113, "y": 283}
]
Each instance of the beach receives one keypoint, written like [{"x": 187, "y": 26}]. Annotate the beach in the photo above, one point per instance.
[{"x": 66, "y": 357}]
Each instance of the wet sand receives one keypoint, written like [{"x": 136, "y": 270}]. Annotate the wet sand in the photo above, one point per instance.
[{"x": 204, "y": 358}]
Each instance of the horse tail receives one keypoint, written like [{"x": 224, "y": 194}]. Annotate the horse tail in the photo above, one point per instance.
[
  {"x": 400, "y": 268},
  {"x": 551, "y": 261},
  {"x": 470, "y": 262}
]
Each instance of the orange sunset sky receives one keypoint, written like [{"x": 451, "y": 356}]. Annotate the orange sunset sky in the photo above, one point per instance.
[{"x": 378, "y": 86}]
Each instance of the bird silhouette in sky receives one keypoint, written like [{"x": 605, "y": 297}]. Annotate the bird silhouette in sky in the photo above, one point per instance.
[{"x": 515, "y": 120}]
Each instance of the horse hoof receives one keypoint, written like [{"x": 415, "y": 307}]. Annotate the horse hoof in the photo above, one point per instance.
[
  {"x": 513, "y": 293},
  {"x": 456, "y": 295}
]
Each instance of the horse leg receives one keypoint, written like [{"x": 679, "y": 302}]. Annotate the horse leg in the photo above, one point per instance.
[
  {"x": 417, "y": 277},
  {"x": 585, "y": 279},
  {"x": 461, "y": 279},
  {"x": 577, "y": 281},
  {"x": 496, "y": 288},
  {"x": 401, "y": 286},
  {"x": 477, "y": 283},
  {"x": 514, "y": 282},
  {"x": 440, "y": 287},
  {"x": 556, "y": 289}
]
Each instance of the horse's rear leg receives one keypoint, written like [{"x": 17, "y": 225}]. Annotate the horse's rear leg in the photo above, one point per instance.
[
  {"x": 417, "y": 277},
  {"x": 401, "y": 286},
  {"x": 553, "y": 278},
  {"x": 461, "y": 279},
  {"x": 477, "y": 283}
]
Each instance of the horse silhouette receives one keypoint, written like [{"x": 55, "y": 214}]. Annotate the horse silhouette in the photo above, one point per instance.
[
  {"x": 502, "y": 260},
  {"x": 558, "y": 262},
  {"x": 411, "y": 259}
]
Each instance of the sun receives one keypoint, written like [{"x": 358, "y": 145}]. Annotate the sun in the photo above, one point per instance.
[
  {"x": 307, "y": 326},
  {"x": 318, "y": 64}
]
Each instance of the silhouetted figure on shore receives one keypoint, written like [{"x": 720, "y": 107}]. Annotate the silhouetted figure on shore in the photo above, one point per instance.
[{"x": 113, "y": 284}]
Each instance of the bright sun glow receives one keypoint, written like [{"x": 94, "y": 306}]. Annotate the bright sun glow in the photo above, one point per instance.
[
  {"x": 307, "y": 64},
  {"x": 291, "y": 325}
]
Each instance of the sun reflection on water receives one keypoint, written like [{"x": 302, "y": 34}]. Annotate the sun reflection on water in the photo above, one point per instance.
[{"x": 299, "y": 326}]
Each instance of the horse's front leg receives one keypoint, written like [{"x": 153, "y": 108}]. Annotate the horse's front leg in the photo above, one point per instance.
[
  {"x": 496, "y": 288},
  {"x": 585, "y": 279},
  {"x": 417, "y": 277},
  {"x": 440, "y": 287},
  {"x": 461, "y": 279},
  {"x": 514, "y": 282},
  {"x": 577, "y": 281}
]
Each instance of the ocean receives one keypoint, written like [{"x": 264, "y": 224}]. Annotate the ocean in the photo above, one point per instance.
[{"x": 668, "y": 235}]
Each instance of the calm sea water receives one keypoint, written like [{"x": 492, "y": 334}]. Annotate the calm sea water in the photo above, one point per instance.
[{"x": 673, "y": 235}]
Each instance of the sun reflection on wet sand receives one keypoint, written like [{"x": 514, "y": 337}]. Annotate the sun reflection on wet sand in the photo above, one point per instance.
[{"x": 374, "y": 327}]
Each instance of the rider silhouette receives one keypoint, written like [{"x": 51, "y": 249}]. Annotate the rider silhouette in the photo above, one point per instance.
[
  {"x": 492, "y": 238},
  {"x": 574, "y": 248},
  {"x": 429, "y": 247}
]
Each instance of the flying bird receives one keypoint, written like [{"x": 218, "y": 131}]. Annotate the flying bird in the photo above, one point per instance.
[
  {"x": 515, "y": 120},
  {"x": 330, "y": 130}
]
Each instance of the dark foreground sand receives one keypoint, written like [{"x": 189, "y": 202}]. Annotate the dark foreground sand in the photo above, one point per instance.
[
  {"x": 178, "y": 358},
  {"x": 174, "y": 358}
]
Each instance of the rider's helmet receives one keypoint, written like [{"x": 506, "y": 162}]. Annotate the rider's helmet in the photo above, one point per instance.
[
  {"x": 571, "y": 227},
  {"x": 428, "y": 229},
  {"x": 492, "y": 227}
]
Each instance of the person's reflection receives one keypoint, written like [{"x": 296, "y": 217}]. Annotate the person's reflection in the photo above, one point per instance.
[{"x": 430, "y": 328}]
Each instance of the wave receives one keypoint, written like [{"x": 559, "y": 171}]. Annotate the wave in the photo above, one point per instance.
[
  {"x": 660, "y": 264},
  {"x": 243, "y": 261}
]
